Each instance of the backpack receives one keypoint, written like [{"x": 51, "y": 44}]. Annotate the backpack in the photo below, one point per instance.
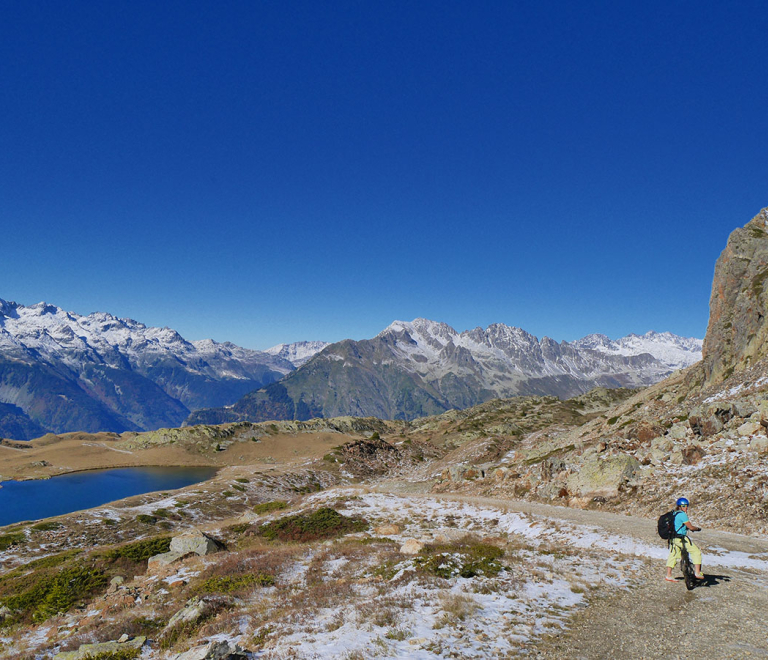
[{"x": 667, "y": 525}]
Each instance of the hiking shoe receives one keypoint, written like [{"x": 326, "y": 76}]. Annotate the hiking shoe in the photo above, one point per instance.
[{"x": 669, "y": 579}]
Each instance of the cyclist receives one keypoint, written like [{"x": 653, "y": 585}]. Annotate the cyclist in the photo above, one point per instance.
[{"x": 682, "y": 526}]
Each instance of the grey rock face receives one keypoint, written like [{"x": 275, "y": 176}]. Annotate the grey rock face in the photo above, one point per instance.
[
  {"x": 103, "y": 649},
  {"x": 737, "y": 334},
  {"x": 194, "y": 541},
  {"x": 185, "y": 545},
  {"x": 191, "y": 612},
  {"x": 218, "y": 650}
]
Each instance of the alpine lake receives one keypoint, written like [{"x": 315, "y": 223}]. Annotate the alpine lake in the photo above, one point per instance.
[{"x": 43, "y": 498}]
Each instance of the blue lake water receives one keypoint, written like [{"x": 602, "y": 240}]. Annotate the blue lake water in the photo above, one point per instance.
[{"x": 31, "y": 500}]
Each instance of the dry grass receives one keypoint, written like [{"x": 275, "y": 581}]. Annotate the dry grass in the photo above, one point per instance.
[{"x": 458, "y": 607}]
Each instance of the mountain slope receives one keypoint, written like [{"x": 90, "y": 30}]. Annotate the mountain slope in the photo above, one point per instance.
[
  {"x": 101, "y": 373},
  {"x": 418, "y": 368},
  {"x": 299, "y": 352}
]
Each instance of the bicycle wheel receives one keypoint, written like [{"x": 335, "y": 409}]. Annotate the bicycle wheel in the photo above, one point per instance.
[{"x": 685, "y": 564}]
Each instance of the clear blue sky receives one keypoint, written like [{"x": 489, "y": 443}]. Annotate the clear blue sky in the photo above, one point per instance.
[{"x": 262, "y": 171}]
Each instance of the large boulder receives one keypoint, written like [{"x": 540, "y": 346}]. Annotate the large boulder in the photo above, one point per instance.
[
  {"x": 195, "y": 609},
  {"x": 602, "y": 476},
  {"x": 216, "y": 650},
  {"x": 194, "y": 541},
  {"x": 707, "y": 420}
]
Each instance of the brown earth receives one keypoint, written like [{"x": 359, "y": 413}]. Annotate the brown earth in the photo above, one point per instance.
[{"x": 75, "y": 452}]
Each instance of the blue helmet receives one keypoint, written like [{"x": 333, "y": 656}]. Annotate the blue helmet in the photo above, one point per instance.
[{"x": 681, "y": 501}]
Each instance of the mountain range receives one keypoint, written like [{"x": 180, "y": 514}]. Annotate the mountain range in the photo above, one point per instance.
[
  {"x": 418, "y": 368},
  {"x": 60, "y": 371}
]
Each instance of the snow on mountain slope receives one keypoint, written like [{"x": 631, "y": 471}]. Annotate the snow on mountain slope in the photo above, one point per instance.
[
  {"x": 49, "y": 333},
  {"x": 674, "y": 351},
  {"x": 117, "y": 374},
  {"x": 298, "y": 352},
  {"x": 508, "y": 353}
]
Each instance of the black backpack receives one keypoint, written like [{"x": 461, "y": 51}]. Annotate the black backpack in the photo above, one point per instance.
[{"x": 667, "y": 525}]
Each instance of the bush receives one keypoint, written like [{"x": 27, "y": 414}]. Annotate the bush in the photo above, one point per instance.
[
  {"x": 466, "y": 559},
  {"x": 146, "y": 519},
  {"x": 46, "y": 598},
  {"x": 230, "y": 584},
  {"x": 12, "y": 539},
  {"x": 139, "y": 550},
  {"x": 325, "y": 523},
  {"x": 268, "y": 507},
  {"x": 46, "y": 526}
]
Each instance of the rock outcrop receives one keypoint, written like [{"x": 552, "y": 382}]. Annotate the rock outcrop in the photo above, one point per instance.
[
  {"x": 193, "y": 542},
  {"x": 120, "y": 648},
  {"x": 737, "y": 334}
]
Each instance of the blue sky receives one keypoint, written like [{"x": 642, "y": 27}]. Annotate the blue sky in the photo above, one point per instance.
[{"x": 274, "y": 171}]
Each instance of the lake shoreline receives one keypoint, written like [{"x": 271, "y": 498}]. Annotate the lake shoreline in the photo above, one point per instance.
[{"x": 89, "y": 489}]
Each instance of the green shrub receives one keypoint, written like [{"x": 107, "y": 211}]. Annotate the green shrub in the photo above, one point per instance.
[
  {"x": 227, "y": 493},
  {"x": 146, "y": 519},
  {"x": 46, "y": 526},
  {"x": 242, "y": 480},
  {"x": 325, "y": 523},
  {"x": 613, "y": 420},
  {"x": 465, "y": 559},
  {"x": 12, "y": 539},
  {"x": 46, "y": 598},
  {"x": 268, "y": 507},
  {"x": 239, "y": 487},
  {"x": 160, "y": 513},
  {"x": 139, "y": 551},
  {"x": 230, "y": 584}
]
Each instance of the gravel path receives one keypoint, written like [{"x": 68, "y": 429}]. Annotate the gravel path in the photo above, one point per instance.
[{"x": 723, "y": 618}]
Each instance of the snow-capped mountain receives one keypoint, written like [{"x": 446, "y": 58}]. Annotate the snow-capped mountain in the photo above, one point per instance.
[
  {"x": 99, "y": 372},
  {"x": 422, "y": 367},
  {"x": 672, "y": 350},
  {"x": 299, "y": 352}
]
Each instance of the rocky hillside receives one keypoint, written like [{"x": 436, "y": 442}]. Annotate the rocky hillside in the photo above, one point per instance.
[
  {"x": 66, "y": 372},
  {"x": 737, "y": 335},
  {"x": 702, "y": 432},
  {"x": 421, "y": 368}
]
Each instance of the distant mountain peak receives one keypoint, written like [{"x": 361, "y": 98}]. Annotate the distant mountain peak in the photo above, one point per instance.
[{"x": 298, "y": 352}]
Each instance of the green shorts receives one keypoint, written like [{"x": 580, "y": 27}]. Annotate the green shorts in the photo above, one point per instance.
[{"x": 674, "y": 551}]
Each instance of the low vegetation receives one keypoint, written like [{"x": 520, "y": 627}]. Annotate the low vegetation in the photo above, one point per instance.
[
  {"x": 324, "y": 523},
  {"x": 44, "y": 587},
  {"x": 269, "y": 507},
  {"x": 468, "y": 558}
]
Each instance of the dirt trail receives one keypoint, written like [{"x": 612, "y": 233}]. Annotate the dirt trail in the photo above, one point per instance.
[{"x": 723, "y": 618}]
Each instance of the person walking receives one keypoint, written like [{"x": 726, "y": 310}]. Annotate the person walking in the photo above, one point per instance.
[{"x": 682, "y": 526}]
